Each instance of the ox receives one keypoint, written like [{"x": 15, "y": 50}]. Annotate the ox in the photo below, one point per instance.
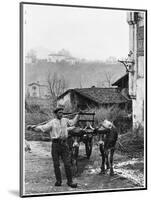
[{"x": 108, "y": 136}]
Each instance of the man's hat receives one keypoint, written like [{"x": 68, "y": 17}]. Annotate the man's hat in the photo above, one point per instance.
[{"x": 57, "y": 109}]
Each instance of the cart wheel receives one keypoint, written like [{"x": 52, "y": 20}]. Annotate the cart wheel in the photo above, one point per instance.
[{"x": 88, "y": 148}]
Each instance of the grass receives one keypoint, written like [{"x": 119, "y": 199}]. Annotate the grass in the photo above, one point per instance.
[
  {"x": 132, "y": 143},
  {"x": 33, "y": 119}
]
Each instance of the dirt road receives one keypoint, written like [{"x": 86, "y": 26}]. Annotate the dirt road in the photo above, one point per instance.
[{"x": 39, "y": 175}]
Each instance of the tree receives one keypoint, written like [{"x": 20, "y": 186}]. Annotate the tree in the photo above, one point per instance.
[
  {"x": 56, "y": 85},
  {"x": 108, "y": 80},
  {"x": 81, "y": 81},
  {"x": 111, "y": 60}
]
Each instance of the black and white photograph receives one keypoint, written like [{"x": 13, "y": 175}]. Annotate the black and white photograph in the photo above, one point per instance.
[{"x": 82, "y": 99}]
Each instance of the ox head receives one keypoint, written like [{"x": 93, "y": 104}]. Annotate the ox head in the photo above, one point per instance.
[{"x": 76, "y": 142}]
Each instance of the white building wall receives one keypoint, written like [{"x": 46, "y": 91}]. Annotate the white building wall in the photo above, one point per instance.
[
  {"x": 34, "y": 91},
  {"x": 136, "y": 79},
  {"x": 40, "y": 91},
  {"x": 138, "y": 104},
  {"x": 65, "y": 101}
]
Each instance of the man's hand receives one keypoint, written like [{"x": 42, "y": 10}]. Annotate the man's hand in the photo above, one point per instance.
[{"x": 31, "y": 127}]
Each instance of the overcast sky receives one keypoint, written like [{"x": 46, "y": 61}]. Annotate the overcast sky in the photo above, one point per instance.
[{"x": 86, "y": 33}]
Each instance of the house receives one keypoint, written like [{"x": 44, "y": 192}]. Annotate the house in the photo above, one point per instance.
[
  {"x": 35, "y": 89},
  {"x": 135, "y": 66},
  {"x": 136, "y": 22},
  {"x": 122, "y": 82},
  {"x": 82, "y": 98},
  {"x": 123, "y": 85}
]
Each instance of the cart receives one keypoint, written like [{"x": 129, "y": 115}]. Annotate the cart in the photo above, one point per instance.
[{"x": 83, "y": 131}]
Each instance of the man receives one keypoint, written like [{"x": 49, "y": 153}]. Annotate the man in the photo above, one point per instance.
[{"x": 58, "y": 128}]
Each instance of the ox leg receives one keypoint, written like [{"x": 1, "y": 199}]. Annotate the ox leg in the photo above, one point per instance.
[
  {"x": 75, "y": 160},
  {"x": 107, "y": 159},
  {"x": 103, "y": 159},
  {"x": 111, "y": 162},
  {"x": 75, "y": 152},
  {"x": 88, "y": 146}
]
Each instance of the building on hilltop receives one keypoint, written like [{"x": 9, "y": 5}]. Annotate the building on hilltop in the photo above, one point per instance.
[{"x": 55, "y": 57}]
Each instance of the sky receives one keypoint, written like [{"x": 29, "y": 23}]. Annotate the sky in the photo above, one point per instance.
[{"x": 93, "y": 34}]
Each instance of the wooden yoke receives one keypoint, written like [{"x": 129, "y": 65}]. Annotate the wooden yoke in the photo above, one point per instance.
[{"x": 82, "y": 114}]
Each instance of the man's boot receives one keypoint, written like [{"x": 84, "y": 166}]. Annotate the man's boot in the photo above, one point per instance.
[
  {"x": 69, "y": 177},
  {"x": 72, "y": 185},
  {"x": 58, "y": 183},
  {"x": 58, "y": 176}
]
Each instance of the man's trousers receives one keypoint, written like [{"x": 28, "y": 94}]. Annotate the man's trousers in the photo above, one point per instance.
[{"x": 59, "y": 150}]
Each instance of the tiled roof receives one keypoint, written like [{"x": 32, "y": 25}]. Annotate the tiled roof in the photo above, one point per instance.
[{"x": 99, "y": 95}]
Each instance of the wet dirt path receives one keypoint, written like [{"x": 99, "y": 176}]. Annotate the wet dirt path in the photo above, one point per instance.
[{"x": 39, "y": 175}]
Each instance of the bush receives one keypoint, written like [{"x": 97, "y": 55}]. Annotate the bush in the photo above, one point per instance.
[
  {"x": 35, "y": 118},
  {"x": 34, "y": 104},
  {"x": 114, "y": 114},
  {"x": 132, "y": 142},
  {"x": 110, "y": 113}
]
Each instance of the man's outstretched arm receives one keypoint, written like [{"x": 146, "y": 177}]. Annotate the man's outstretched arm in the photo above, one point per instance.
[{"x": 38, "y": 128}]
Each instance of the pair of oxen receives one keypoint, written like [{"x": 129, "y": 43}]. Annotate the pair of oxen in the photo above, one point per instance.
[{"x": 106, "y": 135}]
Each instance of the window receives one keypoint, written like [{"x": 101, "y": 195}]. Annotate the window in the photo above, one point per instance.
[{"x": 34, "y": 87}]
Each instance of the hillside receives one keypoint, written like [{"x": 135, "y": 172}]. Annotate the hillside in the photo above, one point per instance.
[{"x": 77, "y": 75}]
